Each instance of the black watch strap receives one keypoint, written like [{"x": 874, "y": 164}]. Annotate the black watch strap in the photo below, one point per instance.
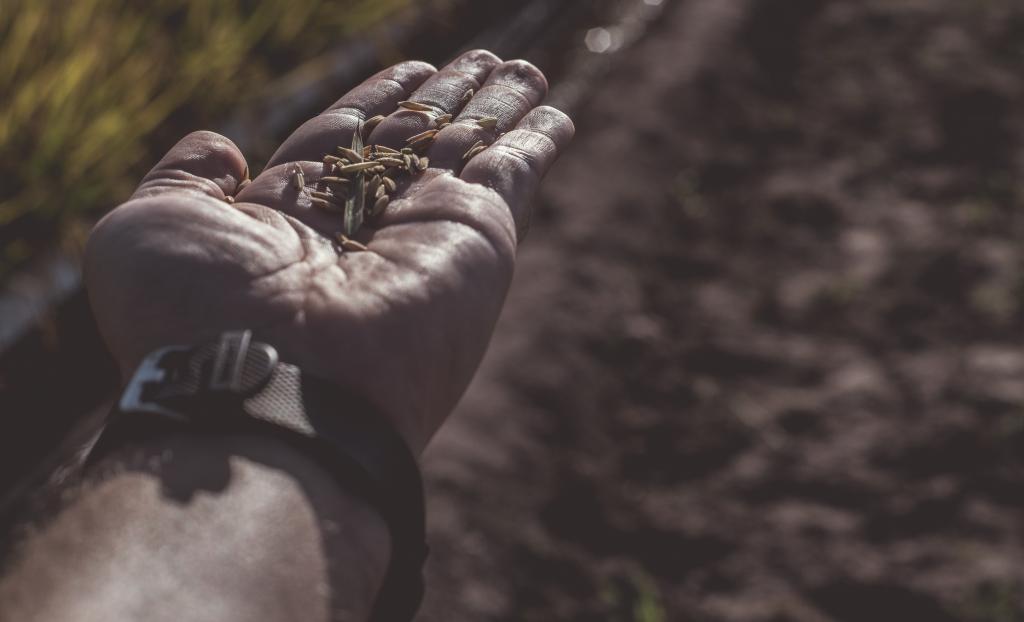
[{"x": 237, "y": 385}]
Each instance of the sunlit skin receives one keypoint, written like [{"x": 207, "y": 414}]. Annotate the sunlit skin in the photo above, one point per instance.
[
  {"x": 404, "y": 324},
  {"x": 238, "y": 528}
]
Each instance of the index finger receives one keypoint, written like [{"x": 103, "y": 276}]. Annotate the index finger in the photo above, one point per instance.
[{"x": 379, "y": 94}]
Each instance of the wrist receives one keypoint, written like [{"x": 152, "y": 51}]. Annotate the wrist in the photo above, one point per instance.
[
  {"x": 236, "y": 384},
  {"x": 387, "y": 394}
]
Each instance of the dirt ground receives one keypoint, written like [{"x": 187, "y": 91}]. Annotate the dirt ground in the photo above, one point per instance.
[{"x": 763, "y": 356}]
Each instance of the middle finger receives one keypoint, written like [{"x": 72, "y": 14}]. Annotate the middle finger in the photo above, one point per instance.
[{"x": 443, "y": 93}]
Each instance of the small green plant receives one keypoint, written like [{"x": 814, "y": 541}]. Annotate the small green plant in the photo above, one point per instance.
[
  {"x": 995, "y": 601},
  {"x": 633, "y": 597}
]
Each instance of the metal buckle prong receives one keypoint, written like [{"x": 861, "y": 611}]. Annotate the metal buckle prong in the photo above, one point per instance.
[{"x": 229, "y": 362}]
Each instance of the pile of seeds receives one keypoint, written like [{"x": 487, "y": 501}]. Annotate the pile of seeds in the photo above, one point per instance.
[{"x": 359, "y": 181}]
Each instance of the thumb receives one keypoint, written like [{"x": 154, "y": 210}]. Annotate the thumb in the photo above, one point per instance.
[{"x": 202, "y": 161}]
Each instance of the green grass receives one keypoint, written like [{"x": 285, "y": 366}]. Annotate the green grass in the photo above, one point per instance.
[
  {"x": 995, "y": 601},
  {"x": 633, "y": 597},
  {"x": 94, "y": 90}
]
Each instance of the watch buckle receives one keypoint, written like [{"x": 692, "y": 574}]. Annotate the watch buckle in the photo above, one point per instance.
[
  {"x": 150, "y": 371},
  {"x": 237, "y": 368}
]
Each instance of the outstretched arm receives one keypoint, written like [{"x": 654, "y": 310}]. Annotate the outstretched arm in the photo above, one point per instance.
[{"x": 183, "y": 527}]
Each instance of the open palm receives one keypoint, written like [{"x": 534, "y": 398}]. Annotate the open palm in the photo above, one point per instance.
[{"x": 404, "y": 324}]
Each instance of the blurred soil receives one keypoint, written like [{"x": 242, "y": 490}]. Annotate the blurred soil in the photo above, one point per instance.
[{"x": 763, "y": 357}]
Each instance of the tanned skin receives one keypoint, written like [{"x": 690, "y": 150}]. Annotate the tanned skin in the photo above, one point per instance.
[{"x": 245, "y": 528}]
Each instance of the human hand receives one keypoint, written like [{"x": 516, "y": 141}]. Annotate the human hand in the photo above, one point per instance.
[{"x": 403, "y": 325}]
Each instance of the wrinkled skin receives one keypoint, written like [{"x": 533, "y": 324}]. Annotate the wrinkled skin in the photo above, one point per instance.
[{"x": 403, "y": 325}]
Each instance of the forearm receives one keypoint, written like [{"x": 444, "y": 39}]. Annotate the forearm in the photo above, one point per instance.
[{"x": 223, "y": 529}]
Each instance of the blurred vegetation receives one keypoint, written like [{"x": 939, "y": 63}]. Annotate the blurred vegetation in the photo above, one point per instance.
[
  {"x": 633, "y": 597},
  {"x": 94, "y": 90},
  {"x": 995, "y": 602}
]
